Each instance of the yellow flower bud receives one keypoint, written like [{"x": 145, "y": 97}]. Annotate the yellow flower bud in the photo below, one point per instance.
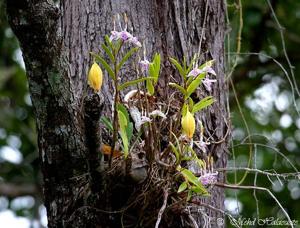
[
  {"x": 188, "y": 124},
  {"x": 95, "y": 77}
]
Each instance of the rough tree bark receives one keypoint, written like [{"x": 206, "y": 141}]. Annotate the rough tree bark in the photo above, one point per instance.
[{"x": 56, "y": 41}]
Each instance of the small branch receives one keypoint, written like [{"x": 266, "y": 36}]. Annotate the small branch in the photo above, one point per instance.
[
  {"x": 258, "y": 188},
  {"x": 276, "y": 150},
  {"x": 14, "y": 190},
  {"x": 283, "y": 175},
  {"x": 162, "y": 209}
]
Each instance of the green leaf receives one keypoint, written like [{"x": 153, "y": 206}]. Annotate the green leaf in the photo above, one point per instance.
[
  {"x": 150, "y": 87},
  {"x": 122, "y": 132},
  {"x": 122, "y": 120},
  {"x": 189, "y": 196},
  {"x": 156, "y": 62},
  {"x": 108, "y": 52},
  {"x": 126, "y": 57},
  {"x": 182, "y": 187},
  {"x": 178, "y": 67},
  {"x": 152, "y": 70},
  {"x": 129, "y": 131},
  {"x": 194, "y": 85},
  {"x": 203, "y": 104},
  {"x": 125, "y": 143},
  {"x": 105, "y": 65},
  {"x": 123, "y": 109},
  {"x": 189, "y": 176},
  {"x": 154, "y": 67},
  {"x": 180, "y": 88},
  {"x": 109, "y": 43},
  {"x": 107, "y": 123},
  {"x": 129, "y": 125},
  {"x": 184, "y": 110},
  {"x": 191, "y": 103},
  {"x": 133, "y": 82},
  {"x": 186, "y": 158},
  {"x": 199, "y": 190}
]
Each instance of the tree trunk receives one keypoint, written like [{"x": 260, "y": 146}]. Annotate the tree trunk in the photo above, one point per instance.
[{"x": 56, "y": 42}]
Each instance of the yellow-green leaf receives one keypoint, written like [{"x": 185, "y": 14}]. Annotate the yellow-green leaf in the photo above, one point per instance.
[
  {"x": 203, "y": 104},
  {"x": 189, "y": 176},
  {"x": 182, "y": 187},
  {"x": 178, "y": 67},
  {"x": 123, "y": 109},
  {"x": 108, "y": 52},
  {"x": 194, "y": 85},
  {"x": 191, "y": 103},
  {"x": 150, "y": 87},
  {"x": 123, "y": 133}
]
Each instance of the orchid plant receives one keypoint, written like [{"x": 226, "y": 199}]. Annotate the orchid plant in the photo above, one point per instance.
[{"x": 138, "y": 116}]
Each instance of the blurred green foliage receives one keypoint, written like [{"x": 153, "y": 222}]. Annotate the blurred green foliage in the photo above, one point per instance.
[
  {"x": 18, "y": 146},
  {"x": 265, "y": 95},
  {"x": 262, "y": 88}
]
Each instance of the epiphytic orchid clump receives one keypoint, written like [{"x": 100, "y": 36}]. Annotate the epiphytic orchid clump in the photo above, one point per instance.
[{"x": 164, "y": 129}]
